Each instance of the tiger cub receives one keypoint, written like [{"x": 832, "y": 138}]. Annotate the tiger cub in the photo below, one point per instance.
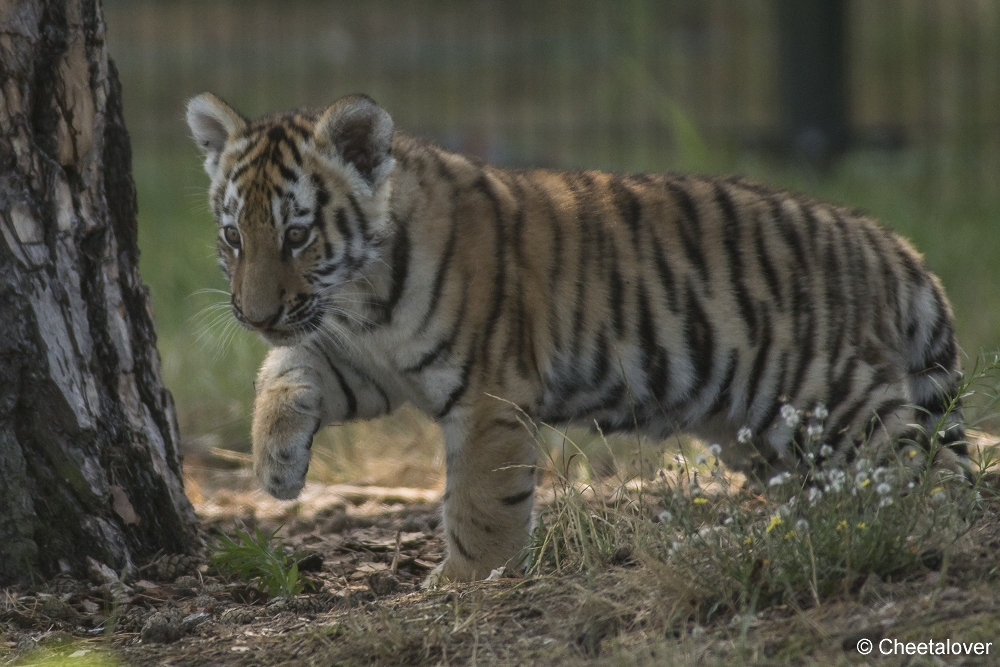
[{"x": 386, "y": 270}]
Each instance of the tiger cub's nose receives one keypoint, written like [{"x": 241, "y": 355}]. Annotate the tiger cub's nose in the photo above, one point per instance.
[{"x": 266, "y": 323}]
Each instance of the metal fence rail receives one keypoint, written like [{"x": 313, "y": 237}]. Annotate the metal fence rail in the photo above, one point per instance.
[{"x": 621, "y": 85}]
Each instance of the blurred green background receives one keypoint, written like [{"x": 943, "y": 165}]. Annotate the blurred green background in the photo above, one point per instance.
[{"x": 684, "y": 85}]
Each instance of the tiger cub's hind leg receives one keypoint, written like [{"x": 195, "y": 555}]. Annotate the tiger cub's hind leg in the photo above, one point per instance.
[{"x": 489, "y": 493}]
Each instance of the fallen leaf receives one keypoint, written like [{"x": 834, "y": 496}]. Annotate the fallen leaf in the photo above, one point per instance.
[{"x": 122, "y": 506}]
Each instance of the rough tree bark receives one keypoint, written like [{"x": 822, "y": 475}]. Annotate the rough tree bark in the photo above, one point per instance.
[{"x": 89, "y": 462}]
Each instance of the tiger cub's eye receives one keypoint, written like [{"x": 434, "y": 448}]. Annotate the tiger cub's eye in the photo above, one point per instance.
[
  {"x": 232, "y": 236},
  {"x": 295, "y": 236}
]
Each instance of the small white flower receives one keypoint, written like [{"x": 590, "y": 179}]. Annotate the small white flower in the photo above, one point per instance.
[
  {"x": 826, "y": 451},
  {"x": 789, "y": 414},
  {"x": 728, "y": 521},
  {"x": 820, "y": 412},
  {"x": 814, "y": 494},
  {"x": 883, "y": 489},
  {"x": 665, "y": 517},
  {"x": 814, "y": 431},
  {"x": 835, "y": 479},
  {"x": 860, "y": 478},
  {"x": 744, "y": 435},
  {"x": 810, "y": 456},
  {"x": 701, "y": 459},
  {"x": 910, "y": 485},
  {"x": 779, "y": 479},
  {"x": 885, "y": 501},
  {"x": 801, "y": 525},
  {"x": 697, "y": 631},
  {"x": 715, "y": 450}
]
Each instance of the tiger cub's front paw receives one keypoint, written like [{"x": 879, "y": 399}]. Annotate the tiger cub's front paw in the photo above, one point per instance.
[{"x": 286, "y": 416}]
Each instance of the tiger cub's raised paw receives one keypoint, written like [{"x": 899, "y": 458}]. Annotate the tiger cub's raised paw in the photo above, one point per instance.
[{"x": 286, "y": 417}]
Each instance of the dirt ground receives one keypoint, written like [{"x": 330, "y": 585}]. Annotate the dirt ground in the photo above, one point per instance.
[{"x": 366, "y": 551}]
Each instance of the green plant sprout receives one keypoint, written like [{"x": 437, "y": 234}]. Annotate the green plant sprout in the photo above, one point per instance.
[{"x": 259, "y": 557}]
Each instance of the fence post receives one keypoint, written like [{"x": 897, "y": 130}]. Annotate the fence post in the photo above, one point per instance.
[{"x": 813, "y": 70}]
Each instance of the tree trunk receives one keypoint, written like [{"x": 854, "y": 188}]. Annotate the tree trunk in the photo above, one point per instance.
[{"x": 89, "y": 462}]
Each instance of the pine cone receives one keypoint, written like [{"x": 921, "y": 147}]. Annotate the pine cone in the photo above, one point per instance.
[
  {"x": 163, "y": 627},
  {"x": 171, "y": 566},
  {"x": 133, "y": 619},
  {"x": 239, "y": 615}
]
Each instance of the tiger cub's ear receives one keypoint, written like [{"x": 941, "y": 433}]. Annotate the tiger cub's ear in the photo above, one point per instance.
[
  {"x": 358, "y": 132},
  {"x": 212, "y": 122}
]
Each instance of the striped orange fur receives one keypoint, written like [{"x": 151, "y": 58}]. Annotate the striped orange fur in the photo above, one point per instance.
[{"x": 386, "y": 270}]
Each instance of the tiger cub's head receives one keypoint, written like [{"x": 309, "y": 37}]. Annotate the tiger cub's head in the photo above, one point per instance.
[{"x": 301, "y": 201}]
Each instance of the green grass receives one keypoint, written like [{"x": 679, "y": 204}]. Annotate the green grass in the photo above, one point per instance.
[
  {"x": 718, "y": 546},
  {"x": 258, "y": 557}
]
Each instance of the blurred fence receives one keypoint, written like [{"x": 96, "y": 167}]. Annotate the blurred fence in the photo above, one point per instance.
[{"x": 617, "y": 84}]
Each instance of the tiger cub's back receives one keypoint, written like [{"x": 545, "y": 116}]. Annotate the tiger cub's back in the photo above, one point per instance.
[{"x": 707, "y": 304}]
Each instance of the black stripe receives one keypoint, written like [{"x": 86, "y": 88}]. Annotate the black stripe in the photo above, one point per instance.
[
  {"x": 812, "y": 224},
  {"x": 285, "y": 172},
  {"x": 524, "y": 347},
  {"x": 360, "y": 216},
  {"x": 789, "y": 233},
  {"x": 322, "y": 194},
  {"x": 629, "y": 208},
  {"x": 689, "y": 226},
  {"x": 763, "y": 350},
  {"x": 442, "y": 268},
  {"x": 442, "y": 168},
  {"x": 770, "y": 274},
  {"x": 238, "y": 171},
  {"x": 731, "y": 241},
  {"x": 582, "y": 215},
  {"x": 655, "y": 361},
  {"x": 773, "y": 403},
  {"x": 723, "y": 396},
  {"x": 463, "y": 383},
  {"x": 500, "y": 274},
  {"x": 555, "y": 269},
  {"x": 602, "y": 360},
  {"x": 294, "y": 150},
  {"x": 458, "y": 545},
  {"x": 700, "y": 339},
  {"x": 517, "y": 498},
  {"x": 343, "y": 226},
  {"x": 808, "y": 344},
  {"x": 843, "y": 421},
  {"x": 664, "y": 273},
  {"x": 400, "y": 269},
  {"x": 616, "y": 296},
  {"x": 352, "y": 400},
  {"x": 840, "y": 388},
  {"x": 446, "y": 344},
  {"x": 836, "y": 304},
  {"x": 802, "y": 311}
]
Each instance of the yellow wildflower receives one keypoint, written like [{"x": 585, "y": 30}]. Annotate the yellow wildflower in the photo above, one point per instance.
[
  {"x": 842, "y": 525},
  {"x": 775, "y": 522},
  {"x": 699, "y": 500}
]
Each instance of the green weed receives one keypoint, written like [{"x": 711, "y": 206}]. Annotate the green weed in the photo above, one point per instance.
[{"x": 256, "y": 556}]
